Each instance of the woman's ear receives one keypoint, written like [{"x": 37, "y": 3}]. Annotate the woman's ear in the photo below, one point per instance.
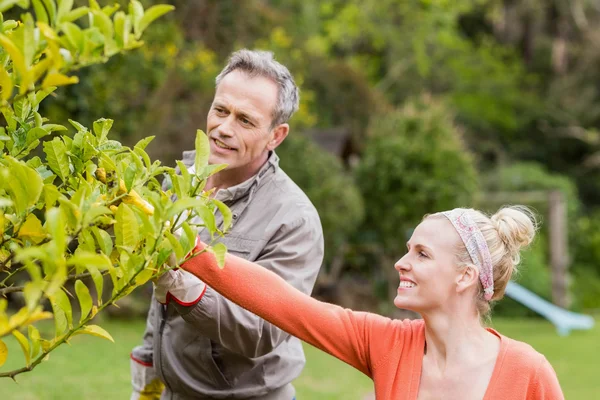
[{"x": 467, "y": 279}]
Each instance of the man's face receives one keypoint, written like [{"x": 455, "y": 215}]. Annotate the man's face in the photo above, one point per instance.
[{"x": 239, "y": 122}]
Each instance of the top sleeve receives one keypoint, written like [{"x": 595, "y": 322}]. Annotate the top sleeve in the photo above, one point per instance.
[{"x": 357, "y": 338}]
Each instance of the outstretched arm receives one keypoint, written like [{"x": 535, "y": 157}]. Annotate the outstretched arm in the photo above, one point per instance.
[{"x": 342, "y": 333}]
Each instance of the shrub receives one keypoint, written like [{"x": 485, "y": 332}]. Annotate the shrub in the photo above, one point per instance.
[
  {"x": 414, "y": 163},
  {"x": 331, "y": 189}
]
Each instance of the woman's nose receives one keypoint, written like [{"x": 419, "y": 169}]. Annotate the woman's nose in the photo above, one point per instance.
[{"x": 402, "y": 264}]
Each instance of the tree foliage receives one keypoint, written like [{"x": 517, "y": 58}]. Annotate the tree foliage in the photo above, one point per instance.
[
  {"x": 414, "y": 163},
  {"x": 81, "y": 205}
]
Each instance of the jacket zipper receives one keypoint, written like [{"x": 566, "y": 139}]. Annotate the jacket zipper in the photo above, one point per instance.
[{"x": 163, "y": 321}]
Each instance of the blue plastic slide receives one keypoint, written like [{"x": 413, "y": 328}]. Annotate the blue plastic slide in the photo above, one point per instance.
[{"x": 563, "y": 320}]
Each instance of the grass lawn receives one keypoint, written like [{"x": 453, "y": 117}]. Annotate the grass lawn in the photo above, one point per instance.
[{"x": 92, "y": 368}]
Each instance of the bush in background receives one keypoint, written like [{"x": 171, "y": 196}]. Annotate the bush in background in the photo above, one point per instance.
[{"x": 330, "y": 188}]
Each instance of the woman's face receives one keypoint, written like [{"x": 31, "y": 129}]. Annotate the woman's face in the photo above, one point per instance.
[{"x": 428, "y": 271}]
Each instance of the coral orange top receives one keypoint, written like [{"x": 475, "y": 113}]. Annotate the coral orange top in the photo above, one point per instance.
[{"x": 388, "y": 351}]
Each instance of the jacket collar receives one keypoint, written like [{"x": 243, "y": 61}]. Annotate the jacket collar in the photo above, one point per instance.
[{"x": 249, "y": 186}]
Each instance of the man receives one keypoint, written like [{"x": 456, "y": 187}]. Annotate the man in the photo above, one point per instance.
[{"x": 197, "y": 343}]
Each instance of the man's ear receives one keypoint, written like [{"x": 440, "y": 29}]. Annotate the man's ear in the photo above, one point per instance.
[
  {"x": 467, "y": 279},
  {"x": 279, "y": 133}
]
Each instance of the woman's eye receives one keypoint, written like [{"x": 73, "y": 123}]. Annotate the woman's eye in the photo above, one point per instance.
[{"x": 421, "y": 254}]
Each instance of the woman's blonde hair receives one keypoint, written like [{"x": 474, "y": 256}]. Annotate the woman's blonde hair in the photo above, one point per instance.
[{"x": 506, "y": 233}]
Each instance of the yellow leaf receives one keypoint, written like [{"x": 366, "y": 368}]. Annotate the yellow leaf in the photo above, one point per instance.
[
  {"x": 40, "y": 68},
  {"x": 47, "y": 31},
  {"x": 33, "y": 229},
  {"x": 3, "y": 353},
  {"x": 58, "y": 79},
  {"x": 6, "y": 83},
  {"x": 24, "y": 345},
  {"x": 94, "y": 330},
  {"x": 18, "y": 61},
  {"x": 38, "y": 315}
]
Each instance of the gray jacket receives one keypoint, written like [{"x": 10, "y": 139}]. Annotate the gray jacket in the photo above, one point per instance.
[{"x": 215, "y": 349}]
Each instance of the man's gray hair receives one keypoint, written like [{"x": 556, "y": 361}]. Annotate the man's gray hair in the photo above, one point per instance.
[{"x": 262, "y": 63}]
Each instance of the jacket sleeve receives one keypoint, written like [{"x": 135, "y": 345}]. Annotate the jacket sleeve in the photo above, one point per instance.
[
  {"x": 295, "y": 254},
  {"x": 360, "y": 339}
]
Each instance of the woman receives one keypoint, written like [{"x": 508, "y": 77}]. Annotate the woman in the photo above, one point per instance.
[{"x": 457, "y": 262}]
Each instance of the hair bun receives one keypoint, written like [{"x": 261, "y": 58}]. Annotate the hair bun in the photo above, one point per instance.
[{"x": 516, "y": 226}]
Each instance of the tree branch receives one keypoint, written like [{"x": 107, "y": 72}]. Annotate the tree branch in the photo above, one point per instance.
[{"x": 13, "y": 289}]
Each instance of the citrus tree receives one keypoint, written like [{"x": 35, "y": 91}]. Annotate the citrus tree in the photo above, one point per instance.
[{"x": 76, "y": 205}]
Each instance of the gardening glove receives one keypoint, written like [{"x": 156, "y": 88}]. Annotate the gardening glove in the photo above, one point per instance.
[
  {"x": 146, "y": 385},
  {"x": 179, "y": 285}
]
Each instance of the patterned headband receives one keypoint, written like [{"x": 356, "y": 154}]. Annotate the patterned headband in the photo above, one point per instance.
[{"x": 476, "y": 246}]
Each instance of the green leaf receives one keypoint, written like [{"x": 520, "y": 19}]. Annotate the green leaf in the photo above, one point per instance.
[
  {"x": 78, "y": 126},
  {"x": 175, "y": 245},
  {"x": 103, "y": 239},
  {"x": 144, "y": 276},
  {"x": 74, "y": 14},
  {"x": 55, "y": 225},
  {"x": 183, "y": 204},
  {"x": 85, "y": 300},
  {"x": 84, "y": 258},
  {"x": 41, "y": 95},
  {"x": 56, "y": 156},
  {"x": 226, "y": 212},
  {"x": 24, "y": 185},
  {"x": 51, "y": 9},
  {"x": 34, "y": 338},
  {"x": 22, "y": 108},
  {"x": 141, "y": 153},
  {"x": 210, "y": 170},
  {"x": 64, "y": 6},
  {"x": 122, "y": 28},
  {"x": 98, "y": 280},
  {"x": 40, "y": 11},
  {"x": 51, "y": 195},
  {"x": 54, "y": 127},
  {"x": 202, "y": 150},
  {"x": 176, "y": 184},
  {"x": 36, "y": 133},
  {"x": 126, "y": 229},
  {"x": 33, "y": 293},
  {"x": 110, "y": 10},
  {"x": 8, "y": 4},
  {"x": 188, "y": 240},
  {"x": 3, "y": 353},
  {"x": 151, "y": 14},
  {"x": 74, "y": 35},
  {"x": 136, "y": 12},
  {"x": 208, "y": 218},
  {"x": 24, "y": 345},
  {"x": 24, "y": 38},
  {"x": 219, "y": 250},
  {"x": 186, "y": 181},
  {"x": 94, "y": 213},
  {"x": 143, "y": 143},
  {"x": 129, "y": 177},
  {"x": 94, "y": 330},
  {"x": 104, "y": 23},
  {"x": 63, "y": 315},
  {"x": 102, "y": 127},
  {"x": 72, "y": 212}
]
